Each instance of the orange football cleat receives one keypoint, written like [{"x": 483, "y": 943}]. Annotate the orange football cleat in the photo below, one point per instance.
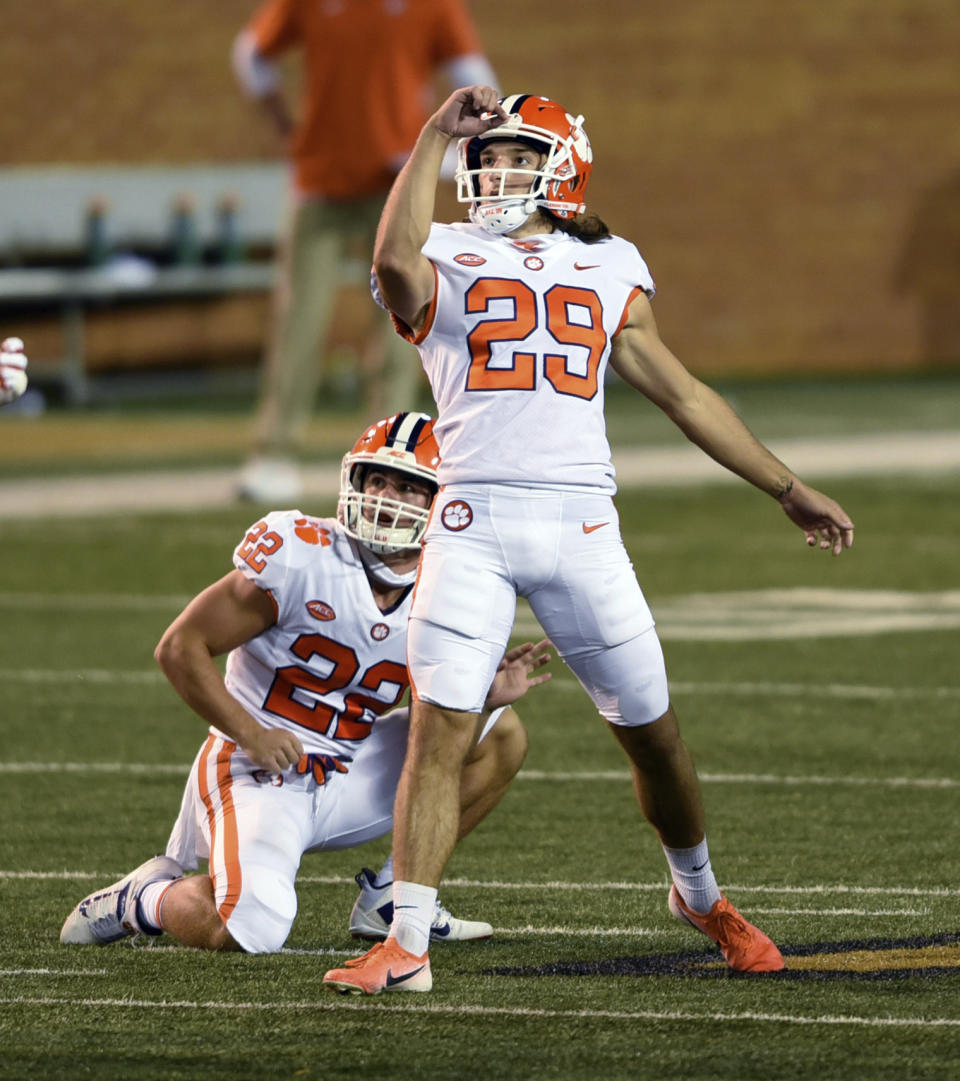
[
  {"x": 745, "y": 947},
  {"x": 387, "y": 967}
]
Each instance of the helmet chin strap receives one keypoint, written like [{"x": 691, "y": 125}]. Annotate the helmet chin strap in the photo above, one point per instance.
[
  {"x": 376, "y": 568},
  {"x": 504, "y": 215}
]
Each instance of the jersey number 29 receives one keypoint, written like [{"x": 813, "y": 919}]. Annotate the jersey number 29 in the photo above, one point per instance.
[{"x": 557, "y": 304}]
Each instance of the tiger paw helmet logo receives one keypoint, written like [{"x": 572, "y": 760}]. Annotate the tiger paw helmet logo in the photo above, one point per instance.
[{"x": 456, "y": 515}]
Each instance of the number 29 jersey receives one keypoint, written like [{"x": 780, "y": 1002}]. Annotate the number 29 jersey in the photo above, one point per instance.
[
  {"x": 333, "y": 661},
  {"x": 516, "y": 345}
]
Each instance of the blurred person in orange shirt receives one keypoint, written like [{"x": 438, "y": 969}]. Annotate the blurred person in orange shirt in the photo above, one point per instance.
[{"x": 368, "y": 73}]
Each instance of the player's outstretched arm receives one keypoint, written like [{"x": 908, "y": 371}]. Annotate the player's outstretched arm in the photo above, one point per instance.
[
  {"x": 404, "y": 275},
  {"x": 222, "y": 617},
  {"x": 516, "y": 673},
  {"x": 640, "y": 358}
]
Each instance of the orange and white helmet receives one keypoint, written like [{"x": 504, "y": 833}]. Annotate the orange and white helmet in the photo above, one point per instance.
[
  {"x": 559, "y": 185},
  {"x": 404, "y": 442}
]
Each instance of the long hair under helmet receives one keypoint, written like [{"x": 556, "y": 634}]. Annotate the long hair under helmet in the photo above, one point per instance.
[
  {"x": 558, "y": 186},
  {"x": 404, "y": 442}
]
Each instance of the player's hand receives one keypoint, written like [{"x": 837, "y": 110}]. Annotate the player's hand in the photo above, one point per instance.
[
  {"x": 515, "y": 673},
  {"x": 469, "y": 111},
  {"x": 13, "y": 370},
  {"x": 274, "y": 749},
  {"x": 823, "y": 521}
]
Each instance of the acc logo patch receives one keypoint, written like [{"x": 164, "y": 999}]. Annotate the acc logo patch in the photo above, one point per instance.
[
  {"x": 468, "y": 258},
  {"x": 321, "y": 610},
  {"x": 456, "y": 515},
  {"x": 379, "y": 631},
  {"x": 533, "y": 262}
]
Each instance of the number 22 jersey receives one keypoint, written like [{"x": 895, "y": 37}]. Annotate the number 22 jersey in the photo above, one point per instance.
[
  {"x": 333, "y": 661},
  {"x": 516, "y": 345}
]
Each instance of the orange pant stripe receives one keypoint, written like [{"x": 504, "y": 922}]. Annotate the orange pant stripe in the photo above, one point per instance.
[{"x": 222, "y": 820}]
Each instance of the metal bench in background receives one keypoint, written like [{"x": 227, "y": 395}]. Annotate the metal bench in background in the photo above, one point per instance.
[{"x": 74, "y": 238}]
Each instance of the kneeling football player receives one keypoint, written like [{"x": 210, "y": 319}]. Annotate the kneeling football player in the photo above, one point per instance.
[{"x": 307, "y": 738}]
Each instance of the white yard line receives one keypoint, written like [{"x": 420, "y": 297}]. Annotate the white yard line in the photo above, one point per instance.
[
  {"x": 646, "y": 932},
  {"x": 732, "y": 688},
  {"x": 59, "y": 602},
  {"x": 754, "y": 911},
  {"x": 53, "y": 972},
  {"x": 738, "y": 616},
  {"x": 464, "y": 1009},
  {"x": 815, "y": 890},
  {"x": 893, "y": 453},
  {"x": 71, "y": 677},
  {"x": 816, "y": 780},
  {"x": 748, "y": 778}
]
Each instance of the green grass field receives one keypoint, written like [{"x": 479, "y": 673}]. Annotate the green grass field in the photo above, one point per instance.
[{"x": 820, "y": 697}]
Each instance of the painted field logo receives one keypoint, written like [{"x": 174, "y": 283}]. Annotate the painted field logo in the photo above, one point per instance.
[
  {"x": 865, "y": 959},
  {"x": 320, "y": 610},
  {"x": 456, "y": 515}
]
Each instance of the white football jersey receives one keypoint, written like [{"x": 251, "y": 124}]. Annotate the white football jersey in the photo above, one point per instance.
[
  {"x": 333, "y": 661},
  {"x": 516, "y": 345}
]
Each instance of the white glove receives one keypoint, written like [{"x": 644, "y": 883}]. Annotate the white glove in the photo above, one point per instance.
[{"x": 13, "y": 370}]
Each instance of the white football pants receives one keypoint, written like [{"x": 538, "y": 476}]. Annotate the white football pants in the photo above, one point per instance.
[
  {"x": 253, "y": 826},
  {"x": 562, "y": 551}
]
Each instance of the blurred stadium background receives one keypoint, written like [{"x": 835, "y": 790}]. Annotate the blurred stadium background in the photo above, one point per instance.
[{"x": 790, "y": 171}]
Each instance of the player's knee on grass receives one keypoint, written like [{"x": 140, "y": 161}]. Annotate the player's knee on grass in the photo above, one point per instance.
[
  {"x": 260, "y": 907},
  {"x": 264, "y": 914}
]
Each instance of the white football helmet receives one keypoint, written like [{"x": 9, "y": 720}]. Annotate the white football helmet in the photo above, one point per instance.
[
  {"x": 558, "y": 185},
  {"x": 404, "y": 442}
]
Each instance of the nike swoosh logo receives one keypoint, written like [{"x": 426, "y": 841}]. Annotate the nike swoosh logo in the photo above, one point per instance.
[
  {"x": 589, "y": 266},
  {"x": 701, "y": 867},
  {"x": 392, "y": 980},
  {"x": 593, "y": 528}
]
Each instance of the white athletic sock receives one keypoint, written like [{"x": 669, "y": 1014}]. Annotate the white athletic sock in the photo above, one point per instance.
[
  {"x": 693, "y": 876},
  {"x": 151, "y": 899},
  {"x": 385, "y": 877},
  {"x": 413, "y": 908}
]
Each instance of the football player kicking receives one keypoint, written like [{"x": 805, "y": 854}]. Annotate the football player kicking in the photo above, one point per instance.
[
  {"x": 306, "y": 737},
  {"x": 517, "y": 315}
]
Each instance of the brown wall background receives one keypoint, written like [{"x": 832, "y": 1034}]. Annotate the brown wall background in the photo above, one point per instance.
[{"x": 790, "y": 170}]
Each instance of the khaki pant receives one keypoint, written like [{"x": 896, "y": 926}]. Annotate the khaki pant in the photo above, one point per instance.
[{"x": 319, "y": 239}]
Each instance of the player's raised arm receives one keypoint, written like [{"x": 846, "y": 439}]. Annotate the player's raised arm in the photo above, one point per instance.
[
  {"x": 405, "y": 276},
  {"x": 642, "y": 359}
]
